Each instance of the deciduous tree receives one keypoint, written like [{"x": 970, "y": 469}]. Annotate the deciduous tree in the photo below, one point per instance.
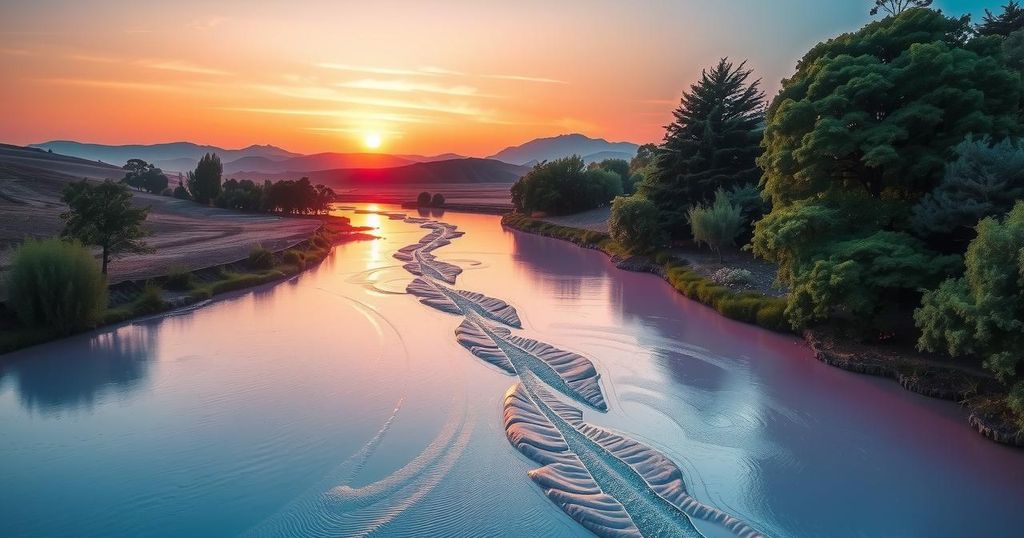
[{"x": 103, "y": 215}]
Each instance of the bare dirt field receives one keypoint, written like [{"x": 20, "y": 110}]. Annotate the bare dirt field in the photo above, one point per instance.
[{"x": 183, "y": 233}]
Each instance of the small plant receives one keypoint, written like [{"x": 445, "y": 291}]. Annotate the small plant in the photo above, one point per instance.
[
  {"x": 261, "y": 258},
  {"x": 179, "y": 278},
  {"x": 151, "y": 300},
  {"x": 294, "y": 257},
  {"x": 732, "y": 277}
]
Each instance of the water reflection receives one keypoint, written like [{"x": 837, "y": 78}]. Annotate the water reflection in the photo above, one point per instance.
[{"x": 116, "y": 363}]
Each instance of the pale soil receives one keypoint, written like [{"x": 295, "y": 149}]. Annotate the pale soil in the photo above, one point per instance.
[{"x": 183, "y": 233}]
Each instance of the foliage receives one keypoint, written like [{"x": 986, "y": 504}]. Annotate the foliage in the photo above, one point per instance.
[
  {"x": 204, "y": 182},
  {"x": 56, "y": 284},
  {"x": 983, "y": 181},
  {"x": 242, "y": 195},
  {"x": 895, "y": 7},
  {"x": 103, "y": 215},
  {"x": 437, "y": 200},
  {"x": 1003, "y": 24},
  {"x": 617, "y": 166},
  {"x": 142, "y": 175},
  {"x": 294, "y": 257},
  {"x": 298, "y": 197},
  {"x": 855, "y": 138},
  {"x": 732, "y": 277},
  {"x": 982, "y": 313},
  {"x": 1013, "y": 50},
  {"x": 423, "y": 199},
  {"x": 712, "y": 143},
  {"x": 261, "y": 258},
  {"x": 179, "y": 278},
  {"x": 181, "y": 193},
  {"x": 645, "y": 156},
  {"x": 150, "y": 300},
  {"x": 635, "y": 224},
  {"x": 564, "y": 186},
  {"x": 716, "y": 225}
]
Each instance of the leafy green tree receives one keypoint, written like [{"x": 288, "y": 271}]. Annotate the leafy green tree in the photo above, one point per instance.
[
  {"x": 204, "y": 182},
  {"x": 895, "y": 7},
  {"x": 103, "y": 215},
  {"x": 712, "y": 143},
  {"x": 982, "y": 313},
  {"x": 983, "y": 181},
  {"x": 564, "y": 186},
  {"x": 56, "y": 284},
  {"x": 618, "y": 166},
  {"x": 144, "y": 176},
  {"x": 859, "y": 134},
  {"x": 716, "y": 225},
  {"x": 645, "y": 156},
  {"x": 1013, "y": 50},
  {"x": 635, "y": 224},
  {"x": 1003, "y": 24}
]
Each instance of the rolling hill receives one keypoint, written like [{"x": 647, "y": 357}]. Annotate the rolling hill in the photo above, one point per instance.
[
  {"x": 172, "y": 157},
  {"x": 546, "y": 149},
  {"x": 466, "y": 170}
]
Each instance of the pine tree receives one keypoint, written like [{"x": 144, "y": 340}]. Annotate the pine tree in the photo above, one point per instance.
[
  {"x": 712, "y": 143},
  {"x": 1003, "y": 24},
  {"x": 895, "y": 7},
  {"x": 204, "y": 182}
]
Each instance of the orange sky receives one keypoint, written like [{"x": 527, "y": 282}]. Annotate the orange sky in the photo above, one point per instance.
[{"x": 428, "y": 77}]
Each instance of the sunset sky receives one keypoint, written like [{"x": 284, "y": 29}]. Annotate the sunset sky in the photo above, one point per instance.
[{"x": 426, "y": 77}]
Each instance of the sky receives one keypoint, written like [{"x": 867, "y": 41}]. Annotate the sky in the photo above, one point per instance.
[{"x": 415, "y": 77}]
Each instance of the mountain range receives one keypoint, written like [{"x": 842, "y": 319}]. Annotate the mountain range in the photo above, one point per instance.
[{"x": 272, "y": 162}]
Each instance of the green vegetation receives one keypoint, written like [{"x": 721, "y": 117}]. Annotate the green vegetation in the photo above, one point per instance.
[
  {"x": 622, "y": 169},
  {"x": 1004, "y": 24},
  {"x": 179, "y": 278},
  {"x": 712, "y": 143},
  {"x": 982, "y": 313},
  {"x": 635, "y": 224},
  {"x": 56, "y": 285},
  {"x": 142, "y": 175},
  {"x": 150, "y": 301},
  {"x": 716, "y": 225},
  {"x": 294, "y": 257},
  {"x": 895, "y": 7},
  {"x": 565, "y": 186},
  {"x": 204, "y": 182},
  {"x": 855, "y": 138},
  {"x": 423, "y": 199},
  {"x": 103, "y": 215},
  {"x": 260, "y": 258}
]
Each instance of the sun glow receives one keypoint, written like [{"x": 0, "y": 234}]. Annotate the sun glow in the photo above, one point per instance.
[{"x": 372, "y": 140}]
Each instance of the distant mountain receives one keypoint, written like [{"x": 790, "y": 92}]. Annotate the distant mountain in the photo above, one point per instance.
[
  {"x": 432, "y": 158},
  {"x": 466, "y": 170},
  {"x": 546, "y": 149},
  {"x": 319, "y": 161},
  {"x": 172, "y": 157}
]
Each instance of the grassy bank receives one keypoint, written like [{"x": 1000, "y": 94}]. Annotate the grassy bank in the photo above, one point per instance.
[
  {"x": 748, "y": 307},
  {"x": 183, "y": 287}
]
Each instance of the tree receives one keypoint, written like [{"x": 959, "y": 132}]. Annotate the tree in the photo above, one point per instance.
[
  {"x": 864, "y": 130},
  {"x": 645, "y": 156},
  {"x": 204, "y": 183},
  {"x": 103, "y": 215},
  {"x": 895, "y": 7},
  {"x": 1003, "y": 24},
  {"x": 712, "y": 143},
  {"x": 717, "y": 224},
  {"x": 564, "y": 186},
  {"x": 56, "y": 284},
  {"x": 1013, "y": 50},
  {"x": 437, "y": 200},
  {"x": 423, "y": 199},
  {"x": 619, "y": 167},
  {"x": 143, "y": 175},
  {"x": 634, "y": 224},
  {"x": 982, "y": 313},
  {"x": 984, "y": 180}
]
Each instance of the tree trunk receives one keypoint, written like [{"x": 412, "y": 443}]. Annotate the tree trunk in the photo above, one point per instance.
[{"x": 106, "y": 257}]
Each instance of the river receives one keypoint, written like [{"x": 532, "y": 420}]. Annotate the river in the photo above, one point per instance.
[{"x": 336, "y": 404}]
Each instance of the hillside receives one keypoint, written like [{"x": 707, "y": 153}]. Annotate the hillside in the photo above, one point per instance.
[
  {"x": 171, "y": 156},
  {"x": 318, "y": 161},
  {"x": 546, "y": 149},
  {"x": 469, "y": 170}
]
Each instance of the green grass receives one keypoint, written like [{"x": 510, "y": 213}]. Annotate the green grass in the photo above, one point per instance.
[{"x": 748, "y": 307}]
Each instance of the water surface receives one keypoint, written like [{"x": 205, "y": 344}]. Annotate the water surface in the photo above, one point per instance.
[{"x": 237, "y": 418}]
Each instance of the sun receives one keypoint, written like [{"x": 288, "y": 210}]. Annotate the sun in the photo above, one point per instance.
[{"x": 371, "y": 140}]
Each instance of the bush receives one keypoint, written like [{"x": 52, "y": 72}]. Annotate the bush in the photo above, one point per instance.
[
  {"x": 716, "y": 225},
  {"x": 151, "y": 300},
  {"x": 56, "y": 284},
  {"x": 294, "y": 257},
  {"x": 179, "y": 278},
  {"x": 732, "y": 277},
  {"x": 635, "y": 225},
  {"x": 423, "y": 199},
  {"x": 261, "y": 258},
  {"x": 437, "y": 200},
  {"x": 564, "y": 186}
]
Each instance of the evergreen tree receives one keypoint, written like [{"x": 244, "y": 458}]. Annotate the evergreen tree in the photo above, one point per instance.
[
  {"x": 1003, "y": 24},
  {"x": 204, "y": 183},
  {"x": 895, "y": 7},
  {"x": 713, "y": 142}
]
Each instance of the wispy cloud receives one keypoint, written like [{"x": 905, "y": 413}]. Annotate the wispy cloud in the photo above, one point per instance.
[
  {"x": 407, "y": 87},
  {"x": 356, "y": 130},
  {"x": 117, "y": 84},
  {"x": 433, "y": 71},
  {"x": 376, "y": 70},
  {"x": 182, "y": 67},
  {"x": 524, "y": 78},
  {"x": 317, "y": 93},
  {"x": 207, "y": 23},
  {"x": 366, "y": 115}
]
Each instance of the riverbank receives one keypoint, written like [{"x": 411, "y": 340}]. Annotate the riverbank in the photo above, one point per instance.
[
  {"x": 976, "y": 390},
  {"x": 182, "y": 286}
]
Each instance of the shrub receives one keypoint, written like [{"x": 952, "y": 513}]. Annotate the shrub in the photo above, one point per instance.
[
  {"x": 437, "y": 200},
  {"x": 56, "y": 284},
  {"x": 732, "y": 277},
  {"x": 179, "y": 278},
  {"x": 635, "y": 225},
  {"x": 716, "y": 225},
  {"x": 261, "y": 258},
  {"x": 564, "y": 186},
  {"x": 294, "y": 257},
  {"x": 423, "y": 199},
  {"x": 151, "y": 300}
]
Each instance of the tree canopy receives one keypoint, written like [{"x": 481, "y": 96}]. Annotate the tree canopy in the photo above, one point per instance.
[
  {"x": 102, "y": 215},
  {"x": 634, "y": 223},
  {"x": 856, "y": 137},
  {"x": 1005, "y": 23},
  {"x": 895, "y": 7},
  {"x": 712, "y": 142},
  {"x": 564, "y": 186},
  {"x": 144, "y": 176},
  {"x": 204, "y": 182}
]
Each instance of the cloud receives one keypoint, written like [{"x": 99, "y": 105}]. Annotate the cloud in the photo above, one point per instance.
[
  {"x": 117, "y": 84},
  {"x": 432, "y": 71},
  {"x": 356, "y": 130},
  {"x": 317, "y": 93},
  {"x": 524, "y": 78},
  {"x": 182, "y": 67},
  {"x": 207, "y": 23},
  {"x": 345, "y": 114},
  {"x": 407, "y": 87},
  {"x": 376, "y": 70}
]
